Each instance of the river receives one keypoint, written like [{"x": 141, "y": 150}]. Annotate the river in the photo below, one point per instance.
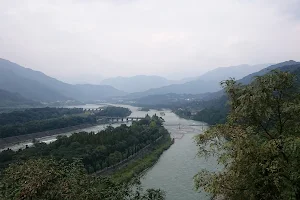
[{"x": 175, "y": 169}]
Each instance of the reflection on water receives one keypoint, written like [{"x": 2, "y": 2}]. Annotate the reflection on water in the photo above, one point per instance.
[{"x": 175, "y": 169}]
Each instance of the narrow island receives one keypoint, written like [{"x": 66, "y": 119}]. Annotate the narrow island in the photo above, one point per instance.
[{"x": 35, "y": 123}]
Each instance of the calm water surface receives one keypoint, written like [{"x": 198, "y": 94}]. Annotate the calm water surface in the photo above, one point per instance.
[{"x": 175, "y": 169}]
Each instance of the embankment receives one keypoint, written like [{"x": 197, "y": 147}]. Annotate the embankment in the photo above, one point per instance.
[{"x": 138, "y": 165}]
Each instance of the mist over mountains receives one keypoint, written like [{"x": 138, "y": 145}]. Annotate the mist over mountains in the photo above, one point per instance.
[
  {"x": 208, "y": 82},
  {"x": 9, "y": 99},
  {"x": 30, "y": 86},
  {"x": 37, "y": 86},
  {"x": 137, "y": 83}
]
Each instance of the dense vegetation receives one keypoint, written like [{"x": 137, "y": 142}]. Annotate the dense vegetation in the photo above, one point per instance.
[
  {"x": 213, "y": 109},
  {"x": 113, "y": 111},
  {"x": 212, "y": 112},
  {"x": 44, "y": 125},
  {"x": 97, "y": 151},
  {"x": 212, "y": 115},
  {"x": 49, "y": 179},
  {"x": 59, "y": 170},
  {"x": 259, "y": 144},
  {"x": 44, "y": 119},
  {"x": 35, "y": 114}
]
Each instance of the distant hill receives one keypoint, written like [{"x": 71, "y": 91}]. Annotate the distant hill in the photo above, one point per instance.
[
  {"x": 208, "y": 82},
  {"x": 88, "y": 92},
  {"x": 247, "y": 79},
  {"x": 38, "y": 86},
  {"x": 192, "y": 87},
  {"x": 8, "y": 99},
  {"x": 137, "y": 83},
  {"x": 164, "y": 100},
  {"x": 31, "y": 89},
  {"x": 237, "y": 72},
  {"x": 215, "y": 109}
]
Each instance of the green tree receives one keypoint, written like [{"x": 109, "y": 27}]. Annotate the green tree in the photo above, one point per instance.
[
  {"x": 47, "y": 179},
  {"x": 259, "y": 145}
]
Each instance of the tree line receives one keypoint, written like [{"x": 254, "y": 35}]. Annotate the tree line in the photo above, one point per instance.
[
  {"x": 114, "y": 111},
  {"x": 35, "y": 114},
  {"x": 212, "y": 112},
  {"x": 96, "y": 150},
  {"x": 45, "y": 119},
  {"x": 60, "y": 170}
]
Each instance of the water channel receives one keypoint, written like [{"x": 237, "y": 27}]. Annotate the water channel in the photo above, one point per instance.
[{"x": 175, "y": 169}]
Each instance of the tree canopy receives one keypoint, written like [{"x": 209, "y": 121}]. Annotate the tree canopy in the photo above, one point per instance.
[
  {"x": 258, "y": 146},
  {"x": 96, "y": 150},
  {"x": 48, "y": 179},
  {"x": 64, "y": 169},
  {"x": 35, "y": 120},
  {"x": 114, "y": 111}
]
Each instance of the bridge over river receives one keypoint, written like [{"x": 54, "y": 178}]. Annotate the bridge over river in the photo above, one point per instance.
[{"x": 119, "y": 119}]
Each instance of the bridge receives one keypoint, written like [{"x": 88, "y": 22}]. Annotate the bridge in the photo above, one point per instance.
[
  {"x": 92, "y": 109},
  {"x": 120, "y": 119}
]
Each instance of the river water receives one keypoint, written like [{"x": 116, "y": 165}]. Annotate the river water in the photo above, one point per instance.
[{"x": 175, "y": 169}]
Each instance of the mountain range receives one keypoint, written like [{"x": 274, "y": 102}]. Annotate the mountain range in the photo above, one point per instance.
[
  {"x": 281, "y": 66},
  {"x": 138, "y": 83},
  {"x": 214, "y": 109},
  {"x": 37, "y": 86},
  {"x": 208, "y": 82},
  {"x": 8, "y": 99}
]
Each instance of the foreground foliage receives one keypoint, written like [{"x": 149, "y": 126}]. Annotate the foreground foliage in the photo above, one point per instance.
[
  {"x": 47, "y": 179},
  {"x": 259, "y": 145}
]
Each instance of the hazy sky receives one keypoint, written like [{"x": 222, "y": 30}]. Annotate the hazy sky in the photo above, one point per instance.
[{"x": 77, "y": 39}]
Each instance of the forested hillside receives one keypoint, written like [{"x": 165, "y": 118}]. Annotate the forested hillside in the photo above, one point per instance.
[
  {"x": 8, "y": 99},
  {"x": 215, "y": 110},
  {"x": 44, "y": 119}
]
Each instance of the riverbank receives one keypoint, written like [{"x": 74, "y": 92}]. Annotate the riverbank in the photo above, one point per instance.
[
  {"x": 14, "y": 140},
  {"x": 140, "y": 164}
]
